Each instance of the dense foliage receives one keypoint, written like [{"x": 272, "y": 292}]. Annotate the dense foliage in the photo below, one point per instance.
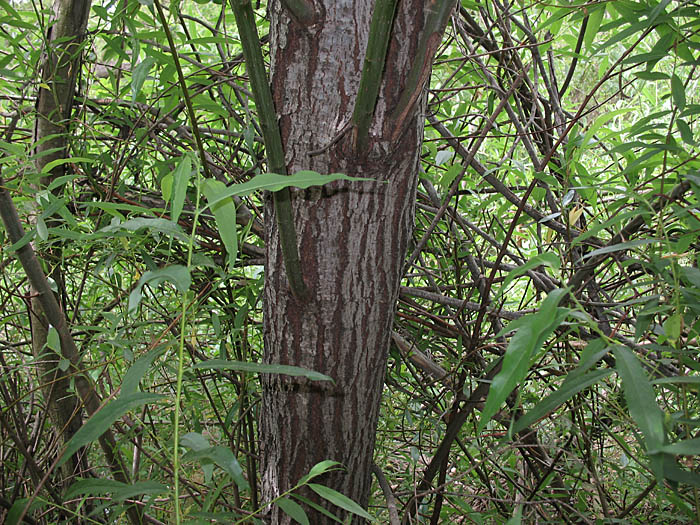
[{"x": 544, "y": 363}]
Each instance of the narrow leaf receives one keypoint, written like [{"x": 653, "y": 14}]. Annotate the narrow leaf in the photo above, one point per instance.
[
  {"x": 103, "y": 419},
  {"x": 53, "y": 340},
  {"x": 293, "y": 510},
  {"x": 620, "y": 247},
  {"x": 260, "y": 368},
  {"x": 678, "y": 92},
  {"x": 177, "y": 274},
  {"x": 224, "y": 458},
  {"x": 534, "y": 330},
  {"x": 139, "y": 74},
  {"x": 546, "y": 259},
  {"x": 565, "y": 392},
  {"x": 688, "y": 447},
  {"x": 340, "y": 500},
  {"x": 641, "y": 399},
  {"x": 181, "y": 178},
  {"x": 275, "y": 182},
  {"x": 160, "y": 225},
  {"x": 224, "y": 211},
  {"x": 119, "y": 490},
  {"x": 133, "y": 376},
  {"x": 318, "y": 469},
  {"x": 594, "y": 21}
]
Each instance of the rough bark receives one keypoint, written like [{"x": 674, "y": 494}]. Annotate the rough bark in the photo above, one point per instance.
[
  {"x": 60, "y": 63},
  {"x": 353, "y": 239}
]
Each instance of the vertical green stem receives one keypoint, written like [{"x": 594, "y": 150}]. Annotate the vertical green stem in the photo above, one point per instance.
[
  {"x": 371, "y": 80},
  {"x": 247, "y": 30}
]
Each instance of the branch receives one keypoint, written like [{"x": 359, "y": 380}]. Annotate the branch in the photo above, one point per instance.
[
  {"x": 435, "y": 23},
  {"x": 57, "y": 319},
  {"x": 371, "y": 80},
  {"x": 245, "y": 20}
]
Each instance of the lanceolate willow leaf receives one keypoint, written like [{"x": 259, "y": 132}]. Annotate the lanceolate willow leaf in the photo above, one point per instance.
[
  {"x": 275, "y": 182},
  {"x": 241, "y": 366},
  {"x": 224, "y": 211},
  {"x": 104, "y": 418},
  {"x": 533, "y": 331}
]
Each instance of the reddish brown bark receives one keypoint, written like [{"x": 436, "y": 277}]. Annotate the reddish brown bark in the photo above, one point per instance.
[{"x": 353, "y": 239}]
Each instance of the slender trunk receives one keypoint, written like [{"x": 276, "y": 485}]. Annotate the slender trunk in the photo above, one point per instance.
[
  {"x": 60, "y": 63},
  {"x": 353, "y": 239}
]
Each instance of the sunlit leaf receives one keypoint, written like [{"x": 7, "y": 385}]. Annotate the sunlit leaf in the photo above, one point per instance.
[
  {"x": 224, "y": 211},
  {"x": 181, "y": 178},
  {"x": 139, "y": 75}
]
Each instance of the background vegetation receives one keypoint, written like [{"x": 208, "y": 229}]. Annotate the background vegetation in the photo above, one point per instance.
[{"x": 544, "y": 362}]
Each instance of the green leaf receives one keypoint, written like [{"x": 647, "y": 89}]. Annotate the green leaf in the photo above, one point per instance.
[
  {"x": 672, "y": 326},
  {"x": 678, "y": 92},
  {"x": 594, "y": 20},
  {"x": 224, "y": 458},
  {"x": 181, "y": 178},
  {"x": 533, "y": 330},
  {"x": 688, "y": 447},
  {"x": 600, "y": 122},
  {"x": 17, "y": 509},
  {"x": 686, "y": 132},
  {"x": 120, "y": 491},
  {"x": 177, "y": 274},
  {"x": 565, "y": 392},
  {"x": 641, "y": 399},
  {"x": 594, "y": 228},
  {"x": 26, "y": 239},
  {"x": 691, "y": 380},
  {"x": 160, "y": 225},
  {"x": 53, "y": 340},
  {"x": 547, "y": 259},
  {"x": 449, "y": 175},
  {"x": 260, "y": 368},
  {"x": 225, "y": 216},
  {"x": 166, "y": 187},
  {"x": 195, "y": 441},
  {"x": 319, "y": 468},
  {"x": 293, "y": 510},
  {"x": 41, "y": 230},
  {"x": 317, "y": 507},
  {"x": 133, "y": 376},
  {"x": 139, "y": 74},
  {"x": 103, "y": 419},
  {"x": 620, "y": 247},
  {"x": 340, "y": 500},
  {"x": 275, "y": 182},
  {"x": 66, "y": 160}
]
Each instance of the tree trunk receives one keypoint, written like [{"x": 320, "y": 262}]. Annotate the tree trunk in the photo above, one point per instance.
[
  {"x": 60, "y": 64},
  {"x": 353, "y": 239}
]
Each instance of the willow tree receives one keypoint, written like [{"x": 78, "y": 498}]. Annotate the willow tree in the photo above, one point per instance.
[{"x": 348, "y": 80}]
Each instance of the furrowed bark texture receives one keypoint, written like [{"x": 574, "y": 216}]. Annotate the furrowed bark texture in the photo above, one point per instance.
[{"x": 353, "y": 239}]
